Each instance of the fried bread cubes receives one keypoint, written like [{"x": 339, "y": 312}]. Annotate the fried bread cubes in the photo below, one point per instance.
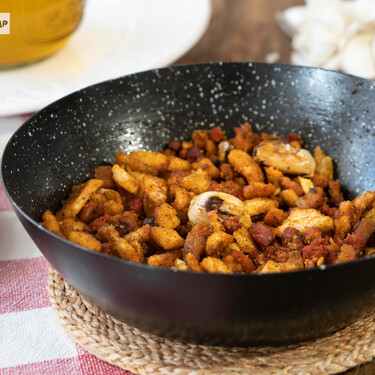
[{"x": 252, "y": 203}]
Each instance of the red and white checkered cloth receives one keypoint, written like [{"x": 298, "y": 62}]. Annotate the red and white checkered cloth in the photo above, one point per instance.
[{"x": 31, "y": 340}]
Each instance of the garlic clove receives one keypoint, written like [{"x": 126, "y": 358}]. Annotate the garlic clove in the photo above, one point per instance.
[
  {"x": 226, "y": 205},
  {"x": 272, "y": 57},
  {"x": 333, "y": 63},
  {"x": 291, "y": 20},
  {"x": 286, "y": 157},
  {"x": 357, "y": 55},
  {"x": 326, "y": 13},
  {"x": 317, "y": 42},
  {"x": 362, "y": 11},
  {"x": 299, "y": 58},
  {"x": 354, "y": 29}
]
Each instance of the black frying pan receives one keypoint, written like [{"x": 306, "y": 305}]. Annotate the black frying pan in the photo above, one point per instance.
[{"x": 63, "y": 143}]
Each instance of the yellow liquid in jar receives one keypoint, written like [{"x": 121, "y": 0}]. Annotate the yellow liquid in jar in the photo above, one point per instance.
[{"x": 38, "y": 28}]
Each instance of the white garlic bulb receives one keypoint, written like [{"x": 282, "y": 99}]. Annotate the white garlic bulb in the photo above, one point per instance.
[{"x": 333, "y": 34}]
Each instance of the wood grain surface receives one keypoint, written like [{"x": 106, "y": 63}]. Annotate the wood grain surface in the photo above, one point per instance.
[
  {"x": 246, "y": 30},
  {"x": 242, "y": 30}
]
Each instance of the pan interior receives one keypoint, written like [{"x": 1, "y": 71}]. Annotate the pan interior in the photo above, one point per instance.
[{"x": 62, "y": 144}]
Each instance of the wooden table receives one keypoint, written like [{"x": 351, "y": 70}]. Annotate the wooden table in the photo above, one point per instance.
[
  {"x": 242, "y": 30},
  {"x": 246, "y": 30}
]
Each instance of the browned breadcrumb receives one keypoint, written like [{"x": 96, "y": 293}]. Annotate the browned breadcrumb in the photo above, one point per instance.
[{"x": 138, "y": 209}]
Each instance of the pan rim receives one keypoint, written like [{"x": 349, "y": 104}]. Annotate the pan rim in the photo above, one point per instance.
[{"x": 47, "y": 108}]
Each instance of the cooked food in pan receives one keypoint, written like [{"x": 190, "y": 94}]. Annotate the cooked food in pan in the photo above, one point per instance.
[{"x": 253, "y": 203}]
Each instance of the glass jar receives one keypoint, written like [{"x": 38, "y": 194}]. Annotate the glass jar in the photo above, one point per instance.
[{"x": 34, "y": 29}]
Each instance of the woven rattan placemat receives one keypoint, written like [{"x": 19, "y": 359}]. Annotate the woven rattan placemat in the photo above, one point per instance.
[{"x": 142, "y": 353}]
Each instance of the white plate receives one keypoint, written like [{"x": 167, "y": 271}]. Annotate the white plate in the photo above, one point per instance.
[{"x": 116, "y": 37}]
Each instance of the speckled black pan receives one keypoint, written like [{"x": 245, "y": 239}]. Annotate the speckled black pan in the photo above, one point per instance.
[{"x": 62, "y": 144}]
